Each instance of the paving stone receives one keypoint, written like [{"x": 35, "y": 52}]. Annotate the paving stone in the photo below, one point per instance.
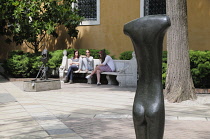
[
  {"x": 10, "y": 107},
  {"x": 44, "y": 122},
  {"x": 11, "y": 115},
  {"x": 18, "y": 125},
  {"x": 45, "y": 117},
  {"x": 130, "y": 116},
  {"x": 33, "y": 135},
  {"x": 15, "y": 120},
  {"x": 192, "y": 118},
  {"x": 171, "y": 118},
  {"x": 6, "y": 97},
  {"x": 77, "y": 115},
  {"x": 110, "y": 116},
  {"x": 54, "y": 126},
  {"x": 91, "y": 112},
  {"x": 16, "y": 131},
  {"x": 59, "y": 131},
  {"x": 67, "y": 136},
  {"x": 12, "y": 111}
]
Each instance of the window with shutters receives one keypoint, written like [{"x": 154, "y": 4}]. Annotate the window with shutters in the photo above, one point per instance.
[
  {"x": 153, "y": 7},
  {"x": 90, "y": 10}
]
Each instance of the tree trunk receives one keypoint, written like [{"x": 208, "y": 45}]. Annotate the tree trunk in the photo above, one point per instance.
[
  {"x": 179, "y": 84},
  {"x": 36, "y": 49}
]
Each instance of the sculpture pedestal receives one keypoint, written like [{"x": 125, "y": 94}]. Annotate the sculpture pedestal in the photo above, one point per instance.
[{"x": 42, "y": 85}]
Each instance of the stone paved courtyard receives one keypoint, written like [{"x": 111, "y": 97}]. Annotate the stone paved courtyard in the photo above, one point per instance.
[{"x": 84, "y": 111}]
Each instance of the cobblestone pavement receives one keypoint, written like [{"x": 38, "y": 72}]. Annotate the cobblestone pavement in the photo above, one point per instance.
[
  {"x": 116, "y": 128},
  {"x": 84, "y": 111}
]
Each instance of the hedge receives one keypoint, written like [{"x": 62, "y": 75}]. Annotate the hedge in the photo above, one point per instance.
[
  {"x": 199, "y": 64},
  {"x": 127, "y": 55},
  {"x": 20, "y": 64},
  {"x": 200, "y": 68}
]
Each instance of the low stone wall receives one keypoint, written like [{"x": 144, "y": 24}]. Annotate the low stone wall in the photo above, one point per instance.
[{"x": 42, "y": 85}]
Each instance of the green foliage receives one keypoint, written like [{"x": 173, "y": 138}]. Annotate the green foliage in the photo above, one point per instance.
[
  {"x": 70, "y": 53},
  {"x": 127, "y": 55},
  {"x": 200, "y": 68},
  {"x": 95, "y": 53},
  {"x": 55, "y": 59},
  {"x": 20, "y": 64},
  {"x": 29, "y": 21},
  {"x": 164, "y": 67},
  {"x": 35, "y": 64},
  {"x": 199, "y": 65}
]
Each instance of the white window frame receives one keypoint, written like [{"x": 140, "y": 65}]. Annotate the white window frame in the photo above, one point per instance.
[
  {"x": 91, "y": 22},
  {"x": 141, "y": 8}
]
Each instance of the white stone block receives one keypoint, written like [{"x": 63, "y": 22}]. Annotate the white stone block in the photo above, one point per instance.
[{"x": 42, "y": 85}]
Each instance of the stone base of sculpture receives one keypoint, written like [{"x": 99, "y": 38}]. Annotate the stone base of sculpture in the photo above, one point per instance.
[{"x": 41, "y": 85}]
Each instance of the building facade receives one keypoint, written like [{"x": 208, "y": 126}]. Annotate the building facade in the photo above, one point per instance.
[{"x": 104, "y": 21}]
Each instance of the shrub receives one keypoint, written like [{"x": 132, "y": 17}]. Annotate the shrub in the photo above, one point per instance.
[
  {"x": 35, "y": 64},
  {"x": 199, "y": 65},
  {"x": 18, "y": 65},
  {"x": 200, "y": 68},
  {"x": 70, "y": 53},
  {"x": 55, "y": 59},
  {"x": 127, "y": 55}
]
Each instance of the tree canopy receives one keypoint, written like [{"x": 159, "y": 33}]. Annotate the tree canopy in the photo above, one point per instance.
[{"x": 30, "y": 20}]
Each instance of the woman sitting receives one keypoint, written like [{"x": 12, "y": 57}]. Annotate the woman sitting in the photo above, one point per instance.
[
  {"x": 74, "y": 65},
  {"x": 106, "y": 66},
  {"x": 85, "y": 62}
]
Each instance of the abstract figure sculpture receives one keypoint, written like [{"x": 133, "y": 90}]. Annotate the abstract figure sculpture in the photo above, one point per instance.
[
  {"x": 147, "y": 36},
  {"x": 43, "y": 69}
]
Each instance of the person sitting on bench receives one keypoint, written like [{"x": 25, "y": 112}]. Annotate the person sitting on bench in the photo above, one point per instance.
[
  {"x": 74, "y": 65},
  {"x": 85, "y": 62},
  {"x": 106, "y": 66}
]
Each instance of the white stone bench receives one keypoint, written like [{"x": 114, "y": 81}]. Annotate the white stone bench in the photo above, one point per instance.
[{"x": 125, "y": 74}]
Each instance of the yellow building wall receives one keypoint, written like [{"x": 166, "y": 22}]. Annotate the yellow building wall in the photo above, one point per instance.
[
  {"x": 109, "y": 34},
  {"x": 199, "y": 24}
]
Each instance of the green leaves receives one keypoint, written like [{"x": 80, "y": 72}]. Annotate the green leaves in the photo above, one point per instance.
[
  {"x": 127, "y": 55},
  {"x": 19, "y": 65},
  {"x": 30, "y": 20},
  {"x": 50, "y": 27},
  {"x": 200, "y": 68},
  {"x": 15, "y": 3}
]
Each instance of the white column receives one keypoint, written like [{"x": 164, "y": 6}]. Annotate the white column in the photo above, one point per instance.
[{"x": 141, "y": 8}]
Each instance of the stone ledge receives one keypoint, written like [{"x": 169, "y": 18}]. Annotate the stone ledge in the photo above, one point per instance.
[
  {"x": 204, "y": 91},
  {"x": 42, "y": 85},
  {"x": 201, "y": 90},
  {"x": 27, "y": 79}
]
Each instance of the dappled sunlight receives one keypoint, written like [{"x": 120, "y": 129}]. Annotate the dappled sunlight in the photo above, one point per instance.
[{"x": 92, "y": 111}]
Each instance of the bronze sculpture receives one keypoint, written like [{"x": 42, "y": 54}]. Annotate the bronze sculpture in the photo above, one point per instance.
[
  {"x": 147, "y": 34},
  {"x": 44, "y": 83},
  {"x": 43, "y": 69}
]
